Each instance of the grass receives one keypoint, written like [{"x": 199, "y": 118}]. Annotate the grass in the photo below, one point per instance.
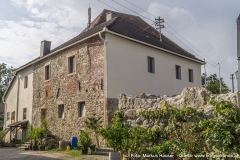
[{"x": 73, "y": 153}]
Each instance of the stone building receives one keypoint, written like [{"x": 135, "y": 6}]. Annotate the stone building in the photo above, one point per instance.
[{"x": 116, "y": 53}]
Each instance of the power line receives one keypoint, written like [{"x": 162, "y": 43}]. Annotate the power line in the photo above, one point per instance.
[
  {"x": 176, "y": 32},
  {"x": 140, "y": 8},
  {"x": 108, "y": 5},
  {"x": 132, "y": 10},
  {"x": 165, "y": 28}
]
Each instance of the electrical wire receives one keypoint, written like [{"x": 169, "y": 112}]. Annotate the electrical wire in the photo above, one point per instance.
[
  {"x": 178, "y": 34},
  {"x": 168, "y": 32},
  {"x": 109, "y": 5}
]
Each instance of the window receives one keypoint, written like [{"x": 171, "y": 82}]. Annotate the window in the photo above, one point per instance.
[
  {"x": 25, "y": 81},
  {"x": 24, "y": 113},
  {"x": 151, "y": 65},
  {"x": 47, "y": 72},
  {"x": 8, "y": 115},
  {"x": 190, "y": 75},
  {"x": 101, "y": 84},
  {"x": 81, "y": 109},
  {"x": 178, "y": 72},
  {"x": 71, "y": 64},
  {"x": 13, "y": 117},
  {"x": 61, "y": 111},
  {"x": 79, "y": 85}
]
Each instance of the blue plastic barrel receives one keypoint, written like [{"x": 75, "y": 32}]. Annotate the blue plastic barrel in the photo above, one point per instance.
[{"x": 73, "y": 142}]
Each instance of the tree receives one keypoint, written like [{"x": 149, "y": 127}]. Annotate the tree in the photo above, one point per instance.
[
  {"x": 6, "y": 76},
  {"x": 212, "y": 83},
  {"x": 94, "y": 124}
]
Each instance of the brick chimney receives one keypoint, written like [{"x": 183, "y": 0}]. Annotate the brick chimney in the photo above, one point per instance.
[{"x": 45, "y": 48}]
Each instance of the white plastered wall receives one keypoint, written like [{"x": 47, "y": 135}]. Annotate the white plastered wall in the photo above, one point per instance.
[
  {"x": 127, "y": 69},
  {"x": 25, "y": 100}
]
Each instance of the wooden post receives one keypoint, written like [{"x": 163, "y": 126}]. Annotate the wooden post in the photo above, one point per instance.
[{"x": 15, "y": 136}]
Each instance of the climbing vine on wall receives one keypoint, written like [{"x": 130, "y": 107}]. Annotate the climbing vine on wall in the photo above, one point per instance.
[{"x": 181, "y": 131}]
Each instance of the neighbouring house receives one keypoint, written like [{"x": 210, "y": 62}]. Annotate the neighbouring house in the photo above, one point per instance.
[
  {"x": 18, "y": 104},
  {"x": 116, "y": 53},
  {"x": 1, "y": 115}
]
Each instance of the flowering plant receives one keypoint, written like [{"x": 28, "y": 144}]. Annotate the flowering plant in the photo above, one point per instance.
[{"x": 186, "y": 139}]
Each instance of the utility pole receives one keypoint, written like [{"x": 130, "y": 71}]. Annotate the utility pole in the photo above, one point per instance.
[
  {"x": 232, "y": 78},
  {"x": 158, "y": 24},
  {"x": 220, "y": 80},
  {"x": 205, "y": 74}
]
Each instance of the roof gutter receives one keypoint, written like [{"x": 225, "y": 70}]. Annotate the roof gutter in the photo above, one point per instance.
[{"x": 201, "y": 62}]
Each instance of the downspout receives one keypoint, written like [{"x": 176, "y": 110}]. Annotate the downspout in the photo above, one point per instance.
[
  {"x": 18, "y": 81},
  {"x": 105, "y": 74}
]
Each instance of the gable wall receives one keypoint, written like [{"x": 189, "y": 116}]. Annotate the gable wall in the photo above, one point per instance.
[
  {"x": 25, "y": 100},
  {"x": 63, "y": 89}
]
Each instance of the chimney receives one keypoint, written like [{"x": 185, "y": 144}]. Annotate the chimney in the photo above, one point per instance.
[
  {"x": 89, "y": 18},
  {"x": 110, "y": 16},
  {"x": 45, "y": 48}
]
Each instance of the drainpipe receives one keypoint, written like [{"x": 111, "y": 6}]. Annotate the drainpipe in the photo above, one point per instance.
[
  {"x": 18, "y": 81},
  {"x": 105, "y": 74}
]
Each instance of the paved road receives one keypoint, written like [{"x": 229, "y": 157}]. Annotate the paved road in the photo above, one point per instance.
[{"x": 8, "y": 153}]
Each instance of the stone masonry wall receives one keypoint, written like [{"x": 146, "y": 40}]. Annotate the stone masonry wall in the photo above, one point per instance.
[
  {"x": 64, "y": 89},
  {"x": 190, "y": 97}
]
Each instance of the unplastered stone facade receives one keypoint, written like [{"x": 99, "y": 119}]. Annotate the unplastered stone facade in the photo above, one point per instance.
[
  {"x": 69, "y": 89},
  {"x": 190, "y": 97}
]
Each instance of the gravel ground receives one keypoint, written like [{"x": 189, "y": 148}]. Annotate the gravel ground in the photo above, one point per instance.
[{"x": 8, "y": 153}]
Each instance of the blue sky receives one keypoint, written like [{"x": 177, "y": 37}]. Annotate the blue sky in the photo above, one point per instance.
[{"x": 210, "y": 27}]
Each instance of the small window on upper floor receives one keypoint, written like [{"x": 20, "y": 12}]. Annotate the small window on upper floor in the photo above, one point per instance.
[
  {"x": 47, "y": 72},
  {"x": 151, "y": 65},
  {"x": 178, "y": 72},
  {"x": 71, "y": 64},
  {"x": 190, "y": 75},
  {"x": 81, "y": 109},
  {"x": 25, "y": 81},
  {"x": 24, "y": 113}
]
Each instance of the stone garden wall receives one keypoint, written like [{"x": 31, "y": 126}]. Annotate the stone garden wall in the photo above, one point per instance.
[{"x": 190, "y": 97}]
